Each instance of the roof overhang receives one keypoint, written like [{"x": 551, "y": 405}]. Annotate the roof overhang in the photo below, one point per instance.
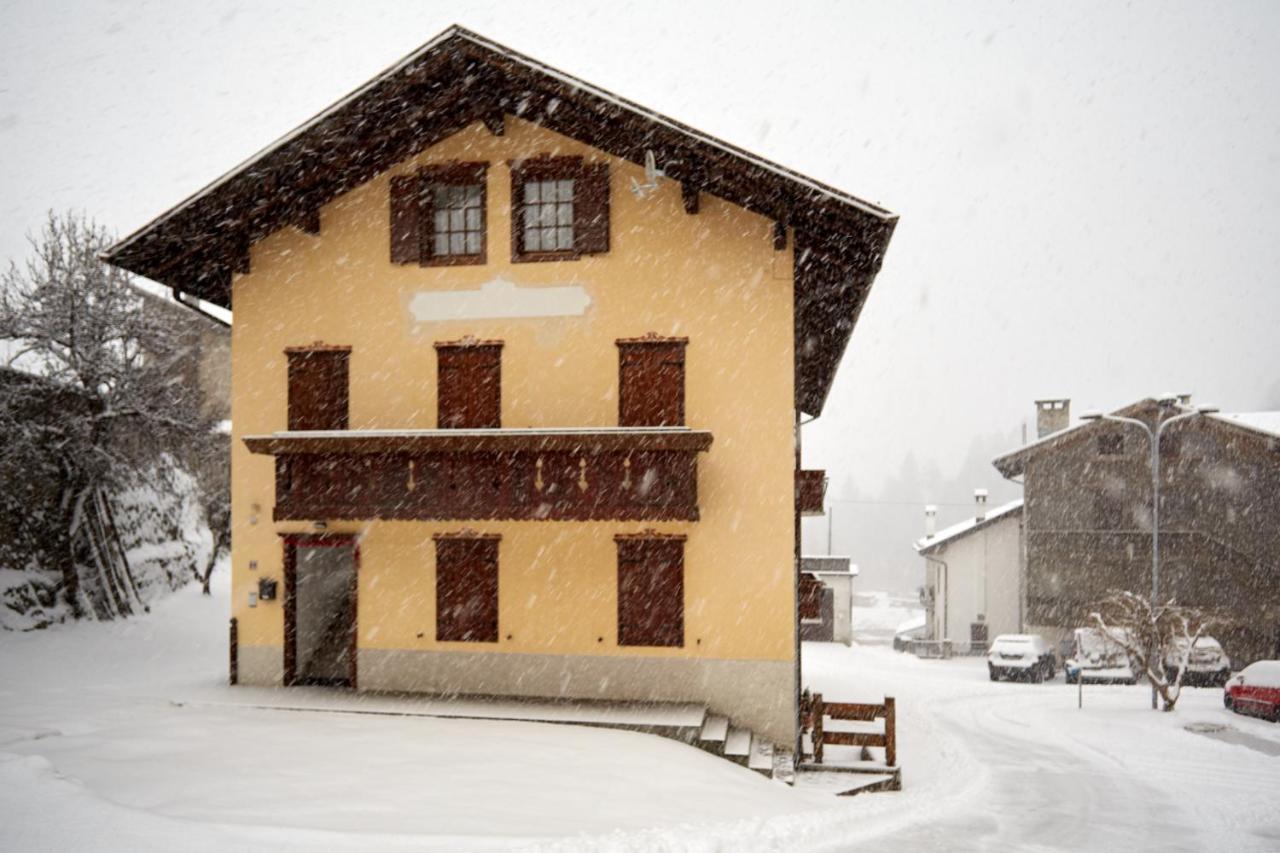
[{"x": 459, "y": 78}]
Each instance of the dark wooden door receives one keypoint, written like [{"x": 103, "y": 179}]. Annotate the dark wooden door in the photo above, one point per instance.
[
  {"x": 318, "y": 389},
  {"x": 321, "y": 589},
  {"x": 469, "y": 389},
  {"x": 467, "y": 590},
  {"x": 651, "y": 384},
  {"x": 650, "y": 592}
]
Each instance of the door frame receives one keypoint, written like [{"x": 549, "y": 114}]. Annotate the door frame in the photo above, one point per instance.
[{"x": 290, "y": 543}]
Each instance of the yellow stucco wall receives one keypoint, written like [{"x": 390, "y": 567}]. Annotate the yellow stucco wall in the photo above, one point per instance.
[{"x": 714, "y": 277}]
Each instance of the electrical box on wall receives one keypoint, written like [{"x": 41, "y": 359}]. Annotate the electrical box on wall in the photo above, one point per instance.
[{"x": 267, "y": 589}]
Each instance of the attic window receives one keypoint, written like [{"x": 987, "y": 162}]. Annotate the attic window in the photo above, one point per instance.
[
  {"x": 1111, "y": 445},
  {"x": 547, "y": 214},
  {"x": 438, "y": 215},
  {"x": 458, "y": 227},
  {"x": 559, "y": 209}
]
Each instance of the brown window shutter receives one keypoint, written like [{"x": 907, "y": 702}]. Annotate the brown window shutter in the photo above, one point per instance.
[
  {"x": 517, "y": 211},
  {"x": 407, "y": 222},
  {"x": 810, "y": 597},
  {"x": 651, "y": 382},
  {"x": 591, "y": 210},
  {"x": 469, "y": 385},
  {"x": 650, "y": 592},
  {"x": 467, "y": 589},
  {"x": 318, "y": 388}
]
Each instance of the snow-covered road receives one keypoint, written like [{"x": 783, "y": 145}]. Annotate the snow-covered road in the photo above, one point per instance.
[
  {"x": 1019, "y": 767},
  {"x": 95, "y": 755}
]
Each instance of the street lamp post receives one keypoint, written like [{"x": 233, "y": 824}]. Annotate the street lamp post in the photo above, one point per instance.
[{"x": 1153, "y": 439}]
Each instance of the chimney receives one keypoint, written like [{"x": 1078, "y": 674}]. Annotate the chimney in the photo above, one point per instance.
[
  {"x": 979, "y": 504},
  {"x": 1052, "y": 416},
  {"x": 930, "y": 521}
]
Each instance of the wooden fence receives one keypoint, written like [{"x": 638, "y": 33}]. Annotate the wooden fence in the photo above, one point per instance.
[{"x": 816, "y": 711}]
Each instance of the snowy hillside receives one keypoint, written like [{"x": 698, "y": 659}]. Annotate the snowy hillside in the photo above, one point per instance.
[{"x": 165, "y": 538}]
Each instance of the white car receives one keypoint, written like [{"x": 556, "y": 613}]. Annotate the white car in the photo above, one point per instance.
[
  {"x": 1025, "y": 657},
  {"x": 1097, "y": 657},
  {"x": 1207, "y": 664}
]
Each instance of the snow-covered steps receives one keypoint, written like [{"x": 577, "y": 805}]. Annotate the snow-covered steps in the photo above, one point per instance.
[
  {"x": 737, "y": 745},
  {"x": 715, "y": 730},
  {"x": 851, "y": 777},
  {"x": 819, "y": 778},
  {"x": 761, "y": 758},
  {"x": 784, "y": 766}
]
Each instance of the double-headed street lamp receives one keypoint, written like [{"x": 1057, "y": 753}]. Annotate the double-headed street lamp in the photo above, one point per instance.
[{"x": 1153, "y": 437}]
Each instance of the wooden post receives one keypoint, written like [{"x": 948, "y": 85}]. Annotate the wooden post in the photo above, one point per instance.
[
  {"x": 235, "y": 653},
  {"x": 890, "y": 732},
  {"x": 818, "y": 712}
]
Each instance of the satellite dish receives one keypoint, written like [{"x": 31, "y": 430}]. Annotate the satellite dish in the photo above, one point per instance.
[{"x": 651, "y": 175}]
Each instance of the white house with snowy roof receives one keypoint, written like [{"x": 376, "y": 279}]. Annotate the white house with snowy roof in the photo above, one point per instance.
[{"x": 973, "y": 577}]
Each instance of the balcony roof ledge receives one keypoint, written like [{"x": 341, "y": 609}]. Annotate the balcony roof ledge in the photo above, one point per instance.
[{"x": 573, "y": 439}]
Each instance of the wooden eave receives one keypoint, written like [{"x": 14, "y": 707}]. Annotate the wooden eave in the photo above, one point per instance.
[
  {"x": 460, "y": 78},
  {"x": 585, "y": 441}
]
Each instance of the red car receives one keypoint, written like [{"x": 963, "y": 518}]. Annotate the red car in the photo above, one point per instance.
[{"x": 1255, "y": 690}]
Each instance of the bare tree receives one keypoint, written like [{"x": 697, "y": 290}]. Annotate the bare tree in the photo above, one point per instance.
[
  {"x": 1151, "y": 633},
  {"x": 79, "y": 326},
  {"x": 214, "y": 475}
]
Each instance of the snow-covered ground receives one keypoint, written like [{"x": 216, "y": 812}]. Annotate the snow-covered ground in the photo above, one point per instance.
[
  {"x": 877, "y": 615},
  {"x": 96, "y": 755}
]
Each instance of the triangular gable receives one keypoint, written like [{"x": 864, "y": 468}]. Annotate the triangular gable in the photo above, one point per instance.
[{"x": 460, "y": 78}]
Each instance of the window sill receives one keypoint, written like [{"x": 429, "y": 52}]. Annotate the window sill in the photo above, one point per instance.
[
  {"x": 455, "y": 261},
  {"x": 542, "y": 257}
]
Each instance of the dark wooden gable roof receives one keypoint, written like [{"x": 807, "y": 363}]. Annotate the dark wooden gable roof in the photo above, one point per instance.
[{"x": 459, "y": 78}]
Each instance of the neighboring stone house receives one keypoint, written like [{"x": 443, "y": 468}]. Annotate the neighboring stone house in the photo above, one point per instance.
[
  {"x": 518, "y": 368},
  {"x": 1087, "y": 519},
  {"x": 973, "y": 577},
  {"x": 206, "y": 360},
  {"x": 826, "y": 599}
]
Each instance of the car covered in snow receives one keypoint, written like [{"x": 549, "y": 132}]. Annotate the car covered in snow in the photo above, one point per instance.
[
  {"x": 1024, "y": 657},
  {"x": 912, "y": 629},
  {"x": 1097, "y": 657},
  {"x": 1207, "y": 663},
  {"x": 1255, "y": 690}
]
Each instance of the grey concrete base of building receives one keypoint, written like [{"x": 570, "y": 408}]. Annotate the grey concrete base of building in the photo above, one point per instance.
[
  {"x": 759, "y": 695},
  {"x": 261, "y": 666}
]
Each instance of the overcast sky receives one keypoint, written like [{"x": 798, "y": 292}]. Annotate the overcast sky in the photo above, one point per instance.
[{"x": 1089, "y": 193}]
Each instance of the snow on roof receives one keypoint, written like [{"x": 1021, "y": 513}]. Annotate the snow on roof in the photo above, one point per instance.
[
  {"x": 968, "y": 525},
  {"x": 1263, "y": 422},
  {"x": 837, "y": 573}
]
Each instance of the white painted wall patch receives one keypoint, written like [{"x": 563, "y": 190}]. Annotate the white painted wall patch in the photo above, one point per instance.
[{"x": 499, "y": 299}]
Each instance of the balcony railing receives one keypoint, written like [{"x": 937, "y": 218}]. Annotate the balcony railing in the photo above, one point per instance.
[
  {"x": 636, "y": 473},
  {"x": 811, "y": 491}
]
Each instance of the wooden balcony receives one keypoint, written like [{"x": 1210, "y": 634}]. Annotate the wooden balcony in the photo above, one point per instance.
[
  {"x": 811, "y": 491},
  {"x": 625, "y": 474}
]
